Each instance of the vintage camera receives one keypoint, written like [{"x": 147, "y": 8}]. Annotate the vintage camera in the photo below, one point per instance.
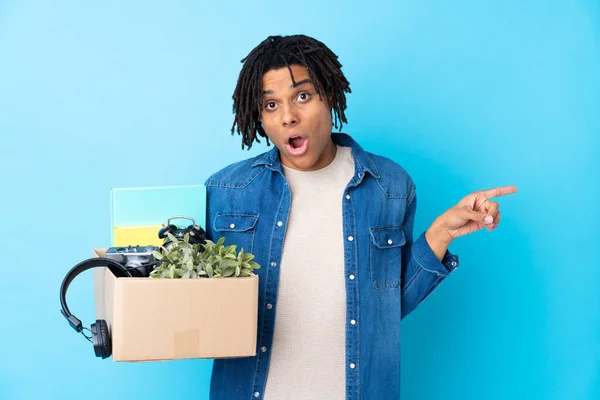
[{"x": 137, "y": 259}]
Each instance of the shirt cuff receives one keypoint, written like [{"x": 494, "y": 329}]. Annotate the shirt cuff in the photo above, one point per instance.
[{"x": 427, "y": 259}]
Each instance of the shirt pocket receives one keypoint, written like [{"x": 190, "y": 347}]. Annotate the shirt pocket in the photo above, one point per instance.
[
  {"x": 237, "y": 229},
  {"x": 386, "y": 256}
]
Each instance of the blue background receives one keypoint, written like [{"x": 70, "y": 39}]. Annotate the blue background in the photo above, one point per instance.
[{"x": 466, "y": 95}]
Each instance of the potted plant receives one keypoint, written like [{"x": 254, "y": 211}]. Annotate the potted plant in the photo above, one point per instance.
[{"x": 210, "y": 260}]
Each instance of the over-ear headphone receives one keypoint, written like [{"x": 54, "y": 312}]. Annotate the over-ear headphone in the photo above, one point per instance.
[
  {"x": 197, "y": 234},
  {"x": 100, "y": 336}
]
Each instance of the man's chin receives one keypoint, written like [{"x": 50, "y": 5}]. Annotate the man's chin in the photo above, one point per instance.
[{"x": 300, "y": 163}]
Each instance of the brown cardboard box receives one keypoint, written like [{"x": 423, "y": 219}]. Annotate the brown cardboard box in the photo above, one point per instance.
[{"x": 167, "y": 319}]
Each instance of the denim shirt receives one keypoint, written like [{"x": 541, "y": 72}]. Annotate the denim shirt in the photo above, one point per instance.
[{"x": 387, "y": 272}]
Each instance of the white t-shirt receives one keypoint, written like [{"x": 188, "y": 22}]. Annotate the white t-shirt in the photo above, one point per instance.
[{"x": 308, "y": 355}]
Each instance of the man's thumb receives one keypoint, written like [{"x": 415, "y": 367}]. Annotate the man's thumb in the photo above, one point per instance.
[{"x": 480, "y": 216}]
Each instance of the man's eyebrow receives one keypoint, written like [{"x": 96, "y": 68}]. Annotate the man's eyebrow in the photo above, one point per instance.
[{"x": 302, "y": 82}]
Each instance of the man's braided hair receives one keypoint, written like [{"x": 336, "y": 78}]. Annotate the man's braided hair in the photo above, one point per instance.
[{"x": 282, "y": 51}]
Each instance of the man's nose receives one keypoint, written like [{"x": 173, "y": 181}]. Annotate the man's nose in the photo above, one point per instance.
[{"x": 290, "y": 116}]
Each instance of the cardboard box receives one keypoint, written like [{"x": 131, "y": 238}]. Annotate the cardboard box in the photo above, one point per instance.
[{"x": 168, "y": 319}]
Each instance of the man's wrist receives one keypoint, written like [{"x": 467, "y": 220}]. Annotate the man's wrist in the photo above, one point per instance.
[{"x": 438, "y": 239}]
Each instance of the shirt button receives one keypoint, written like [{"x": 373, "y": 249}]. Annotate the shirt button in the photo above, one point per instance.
[
  {"x": 351, "y": 277},
  {"x": 273, "y": 264},
  {"x": 453, "y": 263},
  {"x": 348, "y": 196},
  {"x": 350, "y": 238},
  {"x": 263, "y": 349},
  {"x": 232, "y": 226},
  {"x": 269, "y": 306},
  {"x": 353, "y": 322},
  {"x": 279, "y": 223},
  {"x": 390, "y": 241},
  {"x": 256, "y": 394},
  {"x": 351, "y": 366}
]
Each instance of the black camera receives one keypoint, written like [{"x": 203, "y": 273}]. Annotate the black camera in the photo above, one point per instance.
[{"x": 137, "y": 259}]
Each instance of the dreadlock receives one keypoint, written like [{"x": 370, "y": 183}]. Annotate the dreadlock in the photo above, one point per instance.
[{"x": 282, "y": 51}]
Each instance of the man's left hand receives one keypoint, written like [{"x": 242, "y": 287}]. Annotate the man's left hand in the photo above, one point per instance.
[{"x": 474, "y": 212}]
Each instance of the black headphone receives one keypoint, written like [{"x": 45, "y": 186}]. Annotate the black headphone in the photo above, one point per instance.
[
  {"x": 197, "y": 234},
  {"x": 100, "y": 336}
]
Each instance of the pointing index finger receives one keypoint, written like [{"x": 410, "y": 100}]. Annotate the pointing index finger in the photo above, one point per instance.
[{"x": 501, "y": 191}]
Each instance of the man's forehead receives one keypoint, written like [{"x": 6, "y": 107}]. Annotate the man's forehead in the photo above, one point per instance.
[{"x": 281, "y": 78}]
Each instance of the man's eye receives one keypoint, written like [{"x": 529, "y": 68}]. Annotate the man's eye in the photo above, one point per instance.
[
  {"x": 303, "y": 96},
  {"x": 270, "y": 105}
]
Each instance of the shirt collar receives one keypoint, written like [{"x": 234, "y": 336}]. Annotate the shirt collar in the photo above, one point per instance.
[{"x": 362, "y": 161}]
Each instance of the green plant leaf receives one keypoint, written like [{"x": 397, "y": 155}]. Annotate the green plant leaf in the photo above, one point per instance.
[
  {"x": 254, "y": 265},
  {"x": 209, "y": 270},
  {"x": 157, "y": 255},
  {"x": 172, "y": 237},
  {"x": 229, "y": 263}
]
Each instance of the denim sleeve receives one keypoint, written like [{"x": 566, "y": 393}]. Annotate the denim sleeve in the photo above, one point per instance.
[
  {"x": 208, "y": 220},
  {"x": 421, "y": 271}
]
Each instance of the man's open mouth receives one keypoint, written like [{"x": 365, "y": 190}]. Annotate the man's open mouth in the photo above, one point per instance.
[
  {"x": 297, "y": 145},
  {"x": 296, "y": 141}
]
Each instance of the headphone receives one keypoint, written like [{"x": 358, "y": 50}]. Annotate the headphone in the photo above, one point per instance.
[
  {"x": 99, "y": 333},
  {"x": 197, "y": 234},
  {"x": 100, "y": 336}
]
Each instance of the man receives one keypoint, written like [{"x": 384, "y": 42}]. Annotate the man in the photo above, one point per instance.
[{"x": 332, "y": 227}]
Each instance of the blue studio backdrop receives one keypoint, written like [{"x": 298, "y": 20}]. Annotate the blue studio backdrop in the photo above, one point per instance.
[{"x": 466, "y": 95}]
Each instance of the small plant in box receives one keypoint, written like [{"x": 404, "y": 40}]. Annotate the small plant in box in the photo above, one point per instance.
[{"x": 210, "y": 260}]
